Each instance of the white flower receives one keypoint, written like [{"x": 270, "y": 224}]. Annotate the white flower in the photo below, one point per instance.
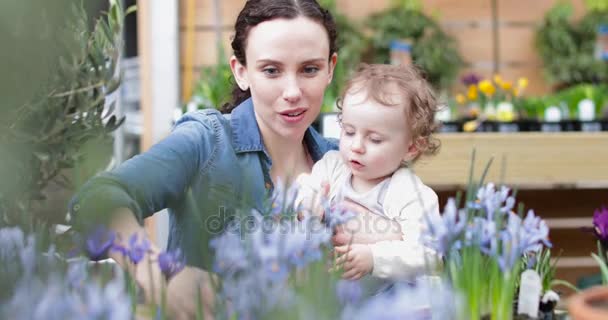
[{"x": 550, "y": 296}]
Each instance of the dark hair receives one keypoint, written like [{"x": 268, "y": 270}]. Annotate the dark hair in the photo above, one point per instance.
[
  {"x": 421, "y": 104},
  {"x": 258, "y": 11}
]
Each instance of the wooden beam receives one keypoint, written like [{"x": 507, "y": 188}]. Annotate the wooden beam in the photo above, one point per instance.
[{"x": 532, "y": 159}]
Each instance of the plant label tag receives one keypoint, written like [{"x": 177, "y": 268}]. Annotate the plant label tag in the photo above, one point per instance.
[{"x": 529, "y": 294}]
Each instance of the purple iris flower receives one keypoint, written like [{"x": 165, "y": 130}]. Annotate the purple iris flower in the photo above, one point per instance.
[
  {"x": 600, "y": 224},
  {"x": 443, "y": 233},
  {"x": 335, "y": 216},
  {"x": 470, "y": 79},
  {"x": 349, "y": 292},
  {"x": 99, "y": 242},
  {"x": 493, "y": 201},
  {"x": 283, "y": 198},
  {"x": 171, "y": 263},
  {"x": 536, "y": 233},
  {"x": 137, "y": 250}
]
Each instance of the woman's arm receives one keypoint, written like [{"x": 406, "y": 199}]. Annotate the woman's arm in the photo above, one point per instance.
[{"x": 142, "y": 186}]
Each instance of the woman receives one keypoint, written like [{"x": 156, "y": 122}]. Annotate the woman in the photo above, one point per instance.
[{"x": 284, "y": 56}]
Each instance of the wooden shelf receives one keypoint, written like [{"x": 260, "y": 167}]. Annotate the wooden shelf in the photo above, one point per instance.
[{"x": 526, "y": 160}]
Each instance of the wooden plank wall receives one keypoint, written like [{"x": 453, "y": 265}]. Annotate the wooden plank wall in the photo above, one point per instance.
[{"x": 470, "y": 22}]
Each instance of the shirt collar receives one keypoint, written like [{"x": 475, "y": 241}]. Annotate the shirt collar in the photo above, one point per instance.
[{"x": 246, "y": 135}]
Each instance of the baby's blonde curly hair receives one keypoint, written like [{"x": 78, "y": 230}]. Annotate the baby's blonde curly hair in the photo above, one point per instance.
[{"x": 378, "y": 80}]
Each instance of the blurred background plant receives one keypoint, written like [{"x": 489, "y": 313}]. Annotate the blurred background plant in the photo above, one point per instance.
[
  {"x": 214, "y": 87},
  {"x": 492, "y": 99},
  {"x": 432, "y": 50},
  {"x": 48, "y": 132},
  {"x": 567, "y": 48},
  {"x": 353, "y": 46}
]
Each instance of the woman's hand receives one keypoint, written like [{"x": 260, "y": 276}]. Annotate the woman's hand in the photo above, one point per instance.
[
  {"x": 184, "y": 290},
  {"x": 365, "y": 227}
]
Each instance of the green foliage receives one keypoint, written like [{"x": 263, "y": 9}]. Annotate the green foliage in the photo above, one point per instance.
[
  {"x": 567, "y": 48},
  {"x": 568, "y": 99},
  {"x": 433, "y": 51},
  {"x": 214, "y": 86},
  {"x": 352, "y": 44},
  {"x": 45, "y": 136}
]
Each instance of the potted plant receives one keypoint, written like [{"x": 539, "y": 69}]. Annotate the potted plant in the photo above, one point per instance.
[
  {"x": 492, "y": 104},
  {"x": 432, "y": 50},
  {"x": 568, "y": 49}
]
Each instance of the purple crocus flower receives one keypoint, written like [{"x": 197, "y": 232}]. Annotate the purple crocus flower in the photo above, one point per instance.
[
  {"x": 137, "y": 250},
  {"x": 600, "y": 224},
  {"x": 171, "y": 263},
  {"x": 99, "y": 242},
  {"x": 470, "y": 79}
]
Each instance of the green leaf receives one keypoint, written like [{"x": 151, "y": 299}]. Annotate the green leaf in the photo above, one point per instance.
[{"x": 603, "y": 268}]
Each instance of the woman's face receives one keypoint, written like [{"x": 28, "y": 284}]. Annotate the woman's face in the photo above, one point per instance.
[{"x": 287, "y": 72}]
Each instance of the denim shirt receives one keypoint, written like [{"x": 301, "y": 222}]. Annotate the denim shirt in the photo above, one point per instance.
[{"x": 208, "y": 162}]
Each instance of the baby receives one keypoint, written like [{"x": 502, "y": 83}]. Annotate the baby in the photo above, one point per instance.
[{"x": 387, "y": 118}]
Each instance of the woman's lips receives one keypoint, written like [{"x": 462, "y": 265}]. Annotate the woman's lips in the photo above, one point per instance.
[{"x": 293, "y": 116}]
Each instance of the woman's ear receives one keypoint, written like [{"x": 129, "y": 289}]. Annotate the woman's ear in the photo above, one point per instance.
[
  {"x": 332, "y": 65},
  {"x": 240, "y": 73}
]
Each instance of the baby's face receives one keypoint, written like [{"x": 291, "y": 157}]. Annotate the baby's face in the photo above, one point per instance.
[{"x": 375, "y": 138}]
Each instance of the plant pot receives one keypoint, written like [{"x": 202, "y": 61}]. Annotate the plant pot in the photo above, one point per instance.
[
  {"x": 589, "y": 126},
  {"x": 550, "y": 126},
  {"x": 590, "y": 304},
  {"x": 508, "y": 127},
  {"x": 450, "y": 127},
  {"x": 568, "y": 125},
  {"x": 488, "y": 126}
]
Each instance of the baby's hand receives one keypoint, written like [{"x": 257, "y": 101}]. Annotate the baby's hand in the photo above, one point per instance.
[{"x": 356, "y": 259}]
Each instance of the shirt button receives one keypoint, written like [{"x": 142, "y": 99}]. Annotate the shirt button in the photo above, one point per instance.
[{"x": 76, "y": 207}]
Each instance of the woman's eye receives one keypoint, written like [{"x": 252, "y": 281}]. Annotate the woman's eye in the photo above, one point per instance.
[
  {"x": 311, "y": 70},
  {"x": 375, "y": 140},
  {"x": 270, "y": 71},
  {"x": 349, "y": 133}
]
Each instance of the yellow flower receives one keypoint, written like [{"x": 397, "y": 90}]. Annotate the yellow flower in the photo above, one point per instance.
[
  {"x": 522, "y": 82},
  {"x": 506, "y": 85},
  {"x": 460, "y": 99},
  {"x": 472, "y": 93},
  {"x": 497, "y": 79},
  {"x": 474, "y": 111},
  {"x": 487, "y": 88},
  {"x": 470, "y": 126},
  {"x": 516, "y": 91}
]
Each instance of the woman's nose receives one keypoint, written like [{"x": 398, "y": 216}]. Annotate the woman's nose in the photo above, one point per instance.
[{"x": 292, "y": 92}]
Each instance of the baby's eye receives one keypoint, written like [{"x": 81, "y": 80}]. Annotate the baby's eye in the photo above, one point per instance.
[
  {"x": 375, "y": 140},
  {"x": 349, "y": 133}
]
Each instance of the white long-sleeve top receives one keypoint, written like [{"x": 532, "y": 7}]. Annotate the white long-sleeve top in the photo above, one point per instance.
[{"x": 406, "y": 200}]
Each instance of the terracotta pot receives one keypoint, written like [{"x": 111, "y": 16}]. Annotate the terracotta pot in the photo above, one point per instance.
[{"x": 590, "y": 304}]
